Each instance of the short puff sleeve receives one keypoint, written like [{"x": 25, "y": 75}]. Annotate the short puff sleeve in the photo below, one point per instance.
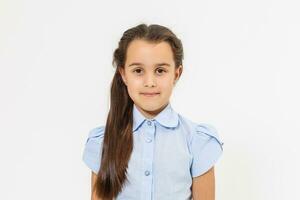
[
  {"x": 206, "y": 148},
  {"x": 93, "y": 148}
]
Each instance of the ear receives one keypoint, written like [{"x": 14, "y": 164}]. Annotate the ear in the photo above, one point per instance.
[
  {"x": 122, "y": 72},
  {"x": 178, "y": 72}
]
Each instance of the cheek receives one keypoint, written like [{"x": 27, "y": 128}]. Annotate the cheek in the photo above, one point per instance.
[
  {"x": 134, "y": 85},
  {"x": 166, "y": 86}
]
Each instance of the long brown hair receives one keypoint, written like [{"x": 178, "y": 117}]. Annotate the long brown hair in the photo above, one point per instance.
[{"x": 118, "y": 139}]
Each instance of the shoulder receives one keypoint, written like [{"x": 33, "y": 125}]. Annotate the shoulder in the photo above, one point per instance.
[
  {"x": 93, "y": 147},
  {"x": 207, "y": 132},
  {"x": 95, "y": 134},
  {"x": 199, "y": 132},
  {"x": 205, "y": 145}
]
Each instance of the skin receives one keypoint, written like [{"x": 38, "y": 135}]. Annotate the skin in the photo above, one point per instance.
[
  {"x": 203, "y": 187},
  {"x": 144, "y": 73},
  {"x": 150, "y": 67}
]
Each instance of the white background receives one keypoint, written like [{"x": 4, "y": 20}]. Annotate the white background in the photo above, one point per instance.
[{"x": 241, "y": 74}]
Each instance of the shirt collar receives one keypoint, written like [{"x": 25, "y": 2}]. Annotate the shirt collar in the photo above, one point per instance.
[{"x": 167, "y": 117}]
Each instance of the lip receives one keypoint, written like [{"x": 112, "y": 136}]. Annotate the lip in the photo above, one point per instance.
[{"x": 150, "y": 94}]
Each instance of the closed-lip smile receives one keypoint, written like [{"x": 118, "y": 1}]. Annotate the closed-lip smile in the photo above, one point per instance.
[{"x": 150, "y": 93}]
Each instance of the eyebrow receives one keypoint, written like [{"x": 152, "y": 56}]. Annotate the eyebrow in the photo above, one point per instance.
[{"x": 141, "y": 64}]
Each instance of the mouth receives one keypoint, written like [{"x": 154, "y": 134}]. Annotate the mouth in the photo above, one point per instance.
[{"x": 150, "y": 94}]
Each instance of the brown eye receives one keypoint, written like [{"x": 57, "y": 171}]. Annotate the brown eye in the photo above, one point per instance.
[
  {"x": 137, "y": 70},
  {"x": 161, "y": 71}
]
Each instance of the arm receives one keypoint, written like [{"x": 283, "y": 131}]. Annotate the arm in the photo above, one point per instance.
[
  {"x": 93, "y": 181},
  {"x": 203, "y": 187}
]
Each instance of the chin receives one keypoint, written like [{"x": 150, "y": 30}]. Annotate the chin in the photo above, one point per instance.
[{"x": 150, "y": 106}]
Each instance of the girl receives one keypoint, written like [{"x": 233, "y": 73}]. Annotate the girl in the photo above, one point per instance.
[{"x": 146, "y": 150}]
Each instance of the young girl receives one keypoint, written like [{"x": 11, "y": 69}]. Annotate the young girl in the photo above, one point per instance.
[{"x": 146, "y": 150}]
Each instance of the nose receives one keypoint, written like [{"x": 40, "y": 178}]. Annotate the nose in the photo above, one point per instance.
[{"x": 149, "y": 80}]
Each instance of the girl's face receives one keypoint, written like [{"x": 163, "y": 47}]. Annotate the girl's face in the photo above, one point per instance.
[{"x": 150, "y": 75}]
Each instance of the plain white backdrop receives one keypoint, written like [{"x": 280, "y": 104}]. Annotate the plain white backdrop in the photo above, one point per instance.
[{"x": 241, "y": 74}]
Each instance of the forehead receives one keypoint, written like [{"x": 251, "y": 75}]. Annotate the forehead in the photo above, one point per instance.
[{"x": 149, "y": 52}]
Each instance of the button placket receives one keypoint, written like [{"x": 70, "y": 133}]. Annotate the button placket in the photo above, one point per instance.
[
  {"x": 149, "y": 123},
  {"x": 148, "y": 159},
  {"x": 148, "y": 140},
  {"x": 147, "y": 173}
]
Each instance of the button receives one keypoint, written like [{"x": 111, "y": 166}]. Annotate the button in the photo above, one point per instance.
[
  {"x": 149, "y": 123},
  {"x": 149, "y": 140},
  {"x": 147, "y": 173}
]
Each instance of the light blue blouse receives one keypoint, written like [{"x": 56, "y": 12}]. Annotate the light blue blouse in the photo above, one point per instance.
[{"x": 169, "y": 150}]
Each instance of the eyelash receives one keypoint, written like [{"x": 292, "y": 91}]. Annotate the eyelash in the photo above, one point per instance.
[{"x": 157, "y": 69}]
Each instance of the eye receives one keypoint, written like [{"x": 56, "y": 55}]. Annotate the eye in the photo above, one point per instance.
[
  {"x": 161, "y": 71},
  {"x": 137, "y": 70}
]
